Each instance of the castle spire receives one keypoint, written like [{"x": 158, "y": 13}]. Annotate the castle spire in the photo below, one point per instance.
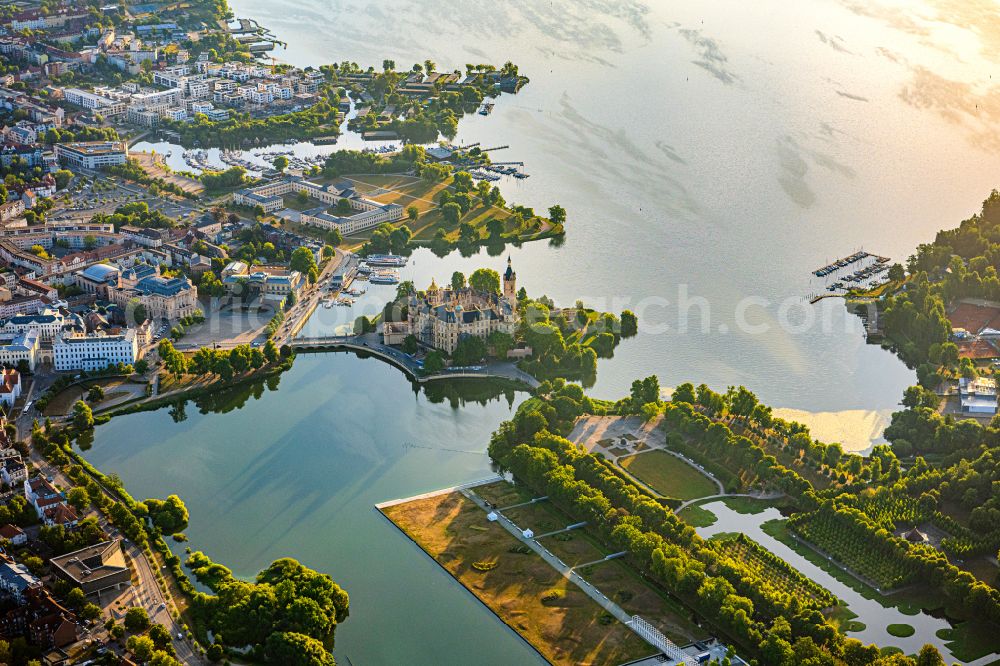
[{"x": 510, "y": 281}]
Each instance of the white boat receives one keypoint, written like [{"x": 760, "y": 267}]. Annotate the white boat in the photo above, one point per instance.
[{"x": 393, "y": 260}]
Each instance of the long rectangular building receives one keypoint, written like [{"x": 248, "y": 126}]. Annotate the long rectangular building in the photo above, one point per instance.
[
  {"x": 92, "y": 154},
  {"x": 95, "y": 351},
  {"x": 366, "y": 214}
]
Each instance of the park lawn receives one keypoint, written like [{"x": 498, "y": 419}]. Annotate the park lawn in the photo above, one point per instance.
[
  {"x": 403, "y": 190},
  {"x": 615, "y": 578},
  {"x": 294, "y": 203},
  {"x": 502, "y": 494},
  {"x": 695, "y": 516},
  {"x": 411, "y": 191},
  {"x": 623, "y": 585},
  {"x": 570, "y": 629},
  {"x": 668, "y": 475},
  {"x": 541, "y": 517}
]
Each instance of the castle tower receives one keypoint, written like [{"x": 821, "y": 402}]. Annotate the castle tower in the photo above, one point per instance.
[
  {"x": 510, "y": 282},
  {"x": 433, "y": 293}
]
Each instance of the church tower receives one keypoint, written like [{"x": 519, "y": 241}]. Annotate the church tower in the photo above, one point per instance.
[{"x": 510, "y": 282}]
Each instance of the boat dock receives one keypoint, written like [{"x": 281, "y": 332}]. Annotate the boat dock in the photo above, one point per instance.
[{"x": 860, "y": 255}]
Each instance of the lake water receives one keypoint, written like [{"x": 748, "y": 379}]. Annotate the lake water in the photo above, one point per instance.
[
  {"x": 296, "y": 468},
  {"x": 710, "y": 155},
  {"x": 723, "y": 150}
]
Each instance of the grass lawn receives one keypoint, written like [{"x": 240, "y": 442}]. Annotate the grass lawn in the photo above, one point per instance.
[
  {"x": 566, "y": 628},
  {"x": 503, "y": 494},
  {"x": 411, "y": 191},
  {"x": 293, "y": 202},
  {"x": 668, "y": 475},
  {"x": 695, "y": 516}
]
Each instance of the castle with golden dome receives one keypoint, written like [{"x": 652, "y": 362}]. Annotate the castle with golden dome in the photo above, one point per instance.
[{"x": 440, "y": 318}]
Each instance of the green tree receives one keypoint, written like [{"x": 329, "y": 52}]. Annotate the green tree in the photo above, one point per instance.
[
  {"x": 83, "y": 417},
  {"x": 304, "y": 262},
  {"x": 280, "y": 163},
  {"x": 271, "y": 351},
  {"x": 136, "y": 620},
  {"x": 141, "y": 647},
  {"x": 494, "y": 227},
  {"x": 296, "y": 649},
  {"x": 451, "y": 212},
  {"x": 469, "y": 351},
  {"x": 343, "y": 208},
  {"x": 75, "y": 598},
  {"x": 485, "y": 279},
  {"x": 557, "y": 214},
  {"x": 90, "y": 612},
  {"x": 434, "y": 362},
  {"x": 457, "y": 280},
  {"x": 78, "y": 498},
  {"x": 412, "y": 212},
  {"x": 95, "y": 394},
  {"x": 500, "y": 343},
  {"x": 410, "y": 345},
  {"x": 629, "y": 324},
  {"x": 160, "y": 636}
]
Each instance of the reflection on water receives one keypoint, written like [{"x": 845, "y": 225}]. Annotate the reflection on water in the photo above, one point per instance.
[
  {"x": 857, "y": 430},
  {"x": 268, "y": 473},
  {"x": 691, "y": 149}
]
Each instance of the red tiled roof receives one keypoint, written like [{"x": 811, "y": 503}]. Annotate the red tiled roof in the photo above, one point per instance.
[{"x": 9, "y": 531}]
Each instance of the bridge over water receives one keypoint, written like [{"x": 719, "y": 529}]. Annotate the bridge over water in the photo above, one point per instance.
[{"x": 369, "y": 344}]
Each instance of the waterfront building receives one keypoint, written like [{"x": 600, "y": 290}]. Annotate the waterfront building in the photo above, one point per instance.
[
  {"x": 441, "y": 318},
  {"x": 163, "y": 298},
  {"x": 274, "y": 282},
  {"x": 366, "y": 213},
  {"x": 92, "y": 154},
  {"x": 94, "y": 351}
]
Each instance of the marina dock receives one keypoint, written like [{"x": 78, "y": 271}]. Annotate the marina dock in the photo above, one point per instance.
[{"x": 861, "y": 255}]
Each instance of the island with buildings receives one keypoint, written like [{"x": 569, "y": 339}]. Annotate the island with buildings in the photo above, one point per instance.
[{"x": 692, "y": 529}]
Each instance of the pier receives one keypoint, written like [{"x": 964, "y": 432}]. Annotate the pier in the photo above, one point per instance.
[{"x": 860, "y": 255}]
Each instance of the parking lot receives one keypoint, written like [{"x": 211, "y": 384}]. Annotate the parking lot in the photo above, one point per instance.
[{"x": 91, "y": 196}]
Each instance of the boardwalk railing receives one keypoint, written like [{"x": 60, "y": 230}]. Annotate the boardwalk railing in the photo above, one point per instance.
[{"x": 655, "y": 637}]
